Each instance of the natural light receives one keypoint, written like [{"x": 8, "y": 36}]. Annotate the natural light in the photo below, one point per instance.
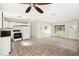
[{"x": 26, "y": 43}]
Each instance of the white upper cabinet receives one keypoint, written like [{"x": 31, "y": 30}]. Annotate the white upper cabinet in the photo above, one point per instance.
[
  {"x": 0, "y": 19},
  {"x": 5, "y": 24}
]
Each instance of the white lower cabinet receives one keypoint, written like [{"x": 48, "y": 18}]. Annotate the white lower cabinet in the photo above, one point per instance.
[
  {"x": 25, "y": 32},
  {"x": 5, "y": 46}
]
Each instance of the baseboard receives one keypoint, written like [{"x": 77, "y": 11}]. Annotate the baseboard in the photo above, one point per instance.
[{"x": 64, "y": 37}]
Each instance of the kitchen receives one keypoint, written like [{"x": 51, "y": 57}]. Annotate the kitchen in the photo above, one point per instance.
[{"x": 12, "y": 31}]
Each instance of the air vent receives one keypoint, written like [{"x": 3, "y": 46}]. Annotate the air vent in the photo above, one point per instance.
[{"x": 53, "y": 14}]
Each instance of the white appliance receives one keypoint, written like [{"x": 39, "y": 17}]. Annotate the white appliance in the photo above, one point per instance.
[
  {"x": 16, "y": 35},
  {"x": 25, "y": 30}
]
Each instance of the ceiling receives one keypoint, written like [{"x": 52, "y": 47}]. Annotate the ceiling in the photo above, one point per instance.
[{"x": 55, "y": 12}]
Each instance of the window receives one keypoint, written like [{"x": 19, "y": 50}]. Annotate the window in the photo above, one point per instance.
[{"x": 59, "y": 29}]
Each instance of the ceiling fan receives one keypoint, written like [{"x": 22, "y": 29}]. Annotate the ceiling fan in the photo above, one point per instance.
[{"x": 36, "y": 7}]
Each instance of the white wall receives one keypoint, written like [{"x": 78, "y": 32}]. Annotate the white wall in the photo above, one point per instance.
[
  {"x": 69, "y": 32},
  {"x": 38, "y": 30}
]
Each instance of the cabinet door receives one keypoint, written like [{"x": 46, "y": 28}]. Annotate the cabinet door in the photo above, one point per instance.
[
  {"x": 0, "y": 19},
  {"x": 5, "y": 46},
  {"x": 25, "y": 32},
  {"x": 6, "y": 25}
]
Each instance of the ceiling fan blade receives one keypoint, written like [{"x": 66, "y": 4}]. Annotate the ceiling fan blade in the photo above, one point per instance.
[
  {"x": 28, "y": 9},
  {"x": 23, "y": 3},
  {"x": 37, "y": 3},
  {"x": 38, "y": 9},
  {"x": 43, "y": 3}
]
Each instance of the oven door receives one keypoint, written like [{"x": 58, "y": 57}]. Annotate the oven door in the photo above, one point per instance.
[{"x": 17, "y": 35}]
